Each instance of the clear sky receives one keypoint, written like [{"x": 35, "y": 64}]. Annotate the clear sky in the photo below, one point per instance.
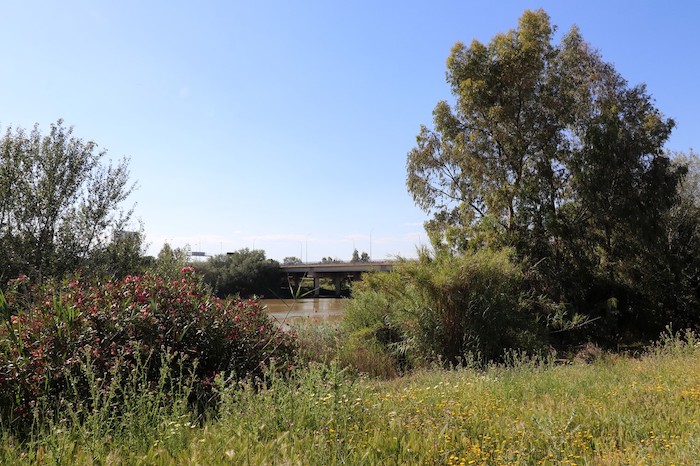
[{"x": 284, "y": 125}]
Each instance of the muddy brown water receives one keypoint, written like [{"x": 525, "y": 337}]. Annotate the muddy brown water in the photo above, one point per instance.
[{"x": 313, "y": 309}]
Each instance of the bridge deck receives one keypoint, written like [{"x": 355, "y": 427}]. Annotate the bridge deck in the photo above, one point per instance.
[
  {"x": 337, "y": 267},
  {"x": 336, "y": 270}
]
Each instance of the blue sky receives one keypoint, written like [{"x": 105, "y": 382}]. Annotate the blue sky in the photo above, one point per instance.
[{"x": 284, "y": 126}]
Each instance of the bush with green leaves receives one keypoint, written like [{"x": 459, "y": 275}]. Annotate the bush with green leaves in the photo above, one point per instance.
[
  {"x": 244, "y": 272},
  {"x": 169, "y": 261},
  {"x": 49, "y": 332},
  {"x": 448, "y": 306}
]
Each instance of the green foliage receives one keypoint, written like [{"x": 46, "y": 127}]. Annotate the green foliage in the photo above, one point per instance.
[
  {"x": 317, "y": 342},
  {"x": 291, "y": 260},
  {"x": 169, "y": 262},
  {"x": 549, "y": 151},
  {"x": 357, "y": 257},
  {"x": 681, "y": 265},
  {"x": 448, "y": 306},
  {"x": 641, "y": 410},
  {"x": 124, "y": 255},
  {"x": 244, "y": 272},
  {"x": 129, "y": 407},
  {"x": 60, "y": 205},
  {"x": 372, "y": 302},
  {"x": 51, "y": 332},
  {"x": 330, "y": 260}
]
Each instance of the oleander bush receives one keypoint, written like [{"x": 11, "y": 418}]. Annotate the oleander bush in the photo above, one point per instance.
[{"x": 51, "y": 333}]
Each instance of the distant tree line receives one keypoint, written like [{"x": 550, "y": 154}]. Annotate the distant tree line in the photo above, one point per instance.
[
  {"x": 356, "y": 257},
  {"x": 245, "y": 272}
]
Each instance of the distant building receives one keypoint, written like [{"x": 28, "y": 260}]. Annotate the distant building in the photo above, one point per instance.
[{"x": 123, "y": 234}]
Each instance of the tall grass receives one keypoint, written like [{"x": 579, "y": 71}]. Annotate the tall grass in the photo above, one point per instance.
[
  {"x": 616, "y": 410},
  {"x": 125, "y": 410}
]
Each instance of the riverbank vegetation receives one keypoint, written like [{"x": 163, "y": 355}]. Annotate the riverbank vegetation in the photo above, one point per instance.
[
  {"x": 550, "y": 157},
  {"x": 611, "y": 410},
  {"x": 564, "y": 241},
  {"x": 68, "y": 345}
]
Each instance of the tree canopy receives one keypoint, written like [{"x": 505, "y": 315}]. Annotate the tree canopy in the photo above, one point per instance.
[
  {"x": 60, "y": 205},
  {"x": 244, "y": 272},
  {"x": 548, "y": 150},
  {"x": 357, "y": 257}
]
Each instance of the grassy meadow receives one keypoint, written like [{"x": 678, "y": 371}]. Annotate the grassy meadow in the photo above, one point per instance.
[{"x": 610, "y": 410}]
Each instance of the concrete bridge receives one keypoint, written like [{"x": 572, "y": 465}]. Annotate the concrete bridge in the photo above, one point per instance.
[{"x": 335, "y": 270}]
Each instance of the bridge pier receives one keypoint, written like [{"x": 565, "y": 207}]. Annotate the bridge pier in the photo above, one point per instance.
[
  {"x": 338, "y": 282},
  {"x": 317, "y": 286}
]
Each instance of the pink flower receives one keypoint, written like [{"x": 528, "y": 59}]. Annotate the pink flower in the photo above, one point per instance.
[{"x": 187, "y": 269}]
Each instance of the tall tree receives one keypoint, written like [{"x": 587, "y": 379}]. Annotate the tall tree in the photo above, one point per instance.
[
  {"x": 548, "y": 150},
  {"x": 59, "y": 204},
  {"x": 491, "y": 158}
]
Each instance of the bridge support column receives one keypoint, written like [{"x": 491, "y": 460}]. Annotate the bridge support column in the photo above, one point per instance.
[
  {"x": 338, "y": 279},
  {"x": 317, "y": 286}
]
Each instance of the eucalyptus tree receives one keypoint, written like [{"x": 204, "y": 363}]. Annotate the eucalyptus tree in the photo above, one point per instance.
[
  {"x": 547, "y": 149},
  {"x": 60, "y": 204}
]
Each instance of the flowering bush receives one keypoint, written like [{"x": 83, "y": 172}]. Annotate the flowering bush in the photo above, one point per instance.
[{"x": 49, "y": 332}]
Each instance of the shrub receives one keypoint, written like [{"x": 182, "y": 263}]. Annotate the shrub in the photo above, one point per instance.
[
  {"x": 448, "y": 306},
  {"x": 365, "y": 353},
  {"x": 50, "y": 331}
]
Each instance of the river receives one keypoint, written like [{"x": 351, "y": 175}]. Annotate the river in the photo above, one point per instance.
[{"x": 315, "y": 309}]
